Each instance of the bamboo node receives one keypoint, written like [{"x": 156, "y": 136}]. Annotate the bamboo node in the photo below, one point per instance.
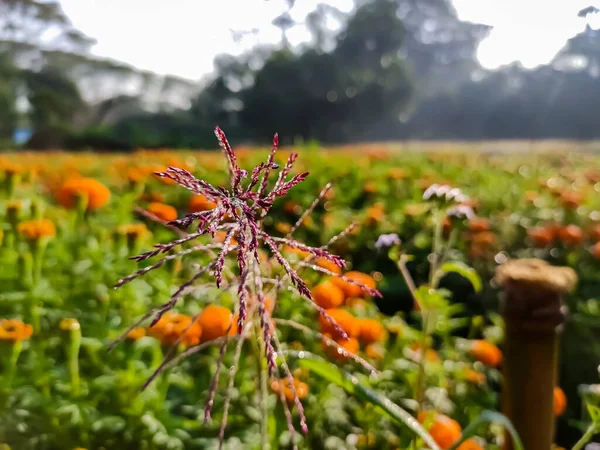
[{"x": 536, "y": 273}]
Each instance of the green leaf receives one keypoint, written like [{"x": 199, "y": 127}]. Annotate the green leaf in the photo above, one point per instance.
[
  {"x": 351, "y": 384},
  {"x": 430, "y": 299},
  {"x": 594, "y": 412},
  {"x": 109, "y": 424},
  {"x": 462, "y": 269},
  {"x": 489, "y": 417}
]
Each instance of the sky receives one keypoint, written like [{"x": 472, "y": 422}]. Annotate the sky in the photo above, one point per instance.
[{"x": 181, "y": 37}]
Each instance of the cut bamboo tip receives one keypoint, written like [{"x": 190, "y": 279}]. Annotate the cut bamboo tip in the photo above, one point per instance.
[{"x": 536, "y": 273}]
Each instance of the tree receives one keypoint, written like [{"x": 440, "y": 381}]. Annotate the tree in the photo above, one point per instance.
[
  {"x": 8, "y": 98},
  {"x": 39, "y": 24},
  {"x": 284, "y": 22},
  {"x": 332, "y": 96},
  {"x": 440, "y": 47}
]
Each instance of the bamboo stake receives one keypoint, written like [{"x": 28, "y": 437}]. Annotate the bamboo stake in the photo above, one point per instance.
[{"x": 533, "y": 311}]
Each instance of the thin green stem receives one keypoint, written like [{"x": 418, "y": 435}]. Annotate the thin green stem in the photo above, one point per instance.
[
  {"x": 260, "y": 348},
  {"x": 74, "y": 346},
  {"x": 38, "y": 250},
  {"x": 437, "y": 275},
  {"x": 437, "y": 242},
  {"x": 264, "y": 430},
  {"x": 15, "y": 351},
  {"x": 408, "y": 280},
  {"x": 420, "y": 388},
  {"x": 588, "y": 435}
]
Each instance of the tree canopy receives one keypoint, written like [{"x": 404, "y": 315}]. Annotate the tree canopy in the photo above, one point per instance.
[{"x": 394, "y": 69}]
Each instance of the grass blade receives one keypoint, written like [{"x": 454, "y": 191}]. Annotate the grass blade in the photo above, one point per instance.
[{"x": 351, "y": 384}]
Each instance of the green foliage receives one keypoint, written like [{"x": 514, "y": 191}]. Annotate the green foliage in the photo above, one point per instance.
[
  {"x": 353, "y": 386},
  {"x": 462, "y": 269},
  {"x": 53, "y": 97},
  {"x": 53, "y": 403},
  {"x": 489, "y": 417}
]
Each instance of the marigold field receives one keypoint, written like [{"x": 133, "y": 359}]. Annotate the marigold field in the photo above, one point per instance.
[{"x": 72, "y": 222}]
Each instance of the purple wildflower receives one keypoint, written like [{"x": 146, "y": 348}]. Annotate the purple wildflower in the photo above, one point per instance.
[{"x": 387, "y": 240}]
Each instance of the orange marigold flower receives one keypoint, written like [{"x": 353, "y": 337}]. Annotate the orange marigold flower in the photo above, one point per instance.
[
  {"x": 283, "y": 227},
  {"x": 474, "y": 377},
  {"x": 136, "y": 175},
  {"x": 487, "y": 353},
  {"x": 292, "y": 208},
  {"x": 375, "y": 214},
  {"x": 154, "y": 169},
  {"x": 234, "y": 326},
  {"x": 215, "y": 321},
  {"x": 375, "y": 352},
  {"x": 571, "y": 235},
  {"x": 13, "y": 169},
  {"x": 329, "y": 220},
  {"x": 136, "y": 334},
  {"x": 337, "y": 351},
  {"x": 446, "y": 226},
  {"x": 96, "y": 194},
  {"x": 296, "y": 251},
  {"x": 397, "y": 173},
  {"x": 484, "y": 239},
  {"x": 370, "y": 331},
  {"x": 531, "y": 196},
  {"x": 353, "y": 290},
  {"x": 152, "y": 197},
  {"x": 560, "y": 401},
  {"x": 164, "y": 212},
  {"x": 33, "y": 230},
  {"x": 344, "y": 319},
  {"x": 357, "y": 303},
  {"x": 541, "y": 236},
  {"x": 370, "y": 187},
  {"x": 430, "y": 354},
  {"x": 14, "y": 330},
  {"x": 596, "y": 250},
  {"x": 327, "y": 295},
  {"x": 173, "y": 326},
  {"x": 594, "y": 232},
  {"x": 270, "y": 305},
  {"x": 199, "y": 203},
  {"x": 470, "y": 444},
  {"x": 479, "y": 224},
  {"x": 233, "y": 331},
  {"x": 444, "y": 430},
  {"x": 283, "y": 385},
  {"x": 221, "y": 235},
  {"x": 571, "y": 199},
  {"x": 328, "y": 265}
]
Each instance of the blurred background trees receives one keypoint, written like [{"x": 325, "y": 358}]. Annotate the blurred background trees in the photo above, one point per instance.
[{"x": 396, "y": 69}]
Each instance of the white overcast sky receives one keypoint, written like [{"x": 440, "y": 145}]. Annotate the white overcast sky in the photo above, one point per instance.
[{"x": 181, "y": 37}]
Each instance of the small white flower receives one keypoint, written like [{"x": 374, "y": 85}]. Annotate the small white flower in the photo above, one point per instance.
[
  {"x": 461, "y": 212},
  {"x": 430, "y": 191}
]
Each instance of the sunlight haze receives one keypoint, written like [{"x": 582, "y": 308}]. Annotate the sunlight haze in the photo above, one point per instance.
[{"x": 144, "y": 33}]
